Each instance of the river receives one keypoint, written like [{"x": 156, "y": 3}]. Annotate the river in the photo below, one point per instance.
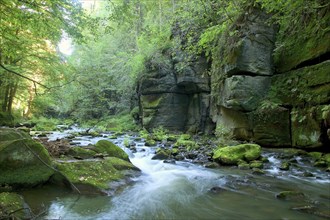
[{"x": 188, "y": 191}]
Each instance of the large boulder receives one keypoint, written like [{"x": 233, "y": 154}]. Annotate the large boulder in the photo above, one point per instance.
[
  {"x": 95, "y": 176},
  {"x": 23, "y": 161},
  {"x": 109, "y": 148},
  {"x": 232, "y": 155}
]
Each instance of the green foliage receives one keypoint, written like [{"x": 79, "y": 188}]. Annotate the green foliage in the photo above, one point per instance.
[
  {"x": 44, "y": 124},
  {"x": 185, "y": 141},
  {"x": 29, "y": 34},
  {"x": 160, "y": 134},
  {"x": 295, "y": 17},
  {"x": 144, "y": 133}
]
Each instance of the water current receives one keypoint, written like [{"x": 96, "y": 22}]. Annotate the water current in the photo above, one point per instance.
[{"x": 188, "y": 191}]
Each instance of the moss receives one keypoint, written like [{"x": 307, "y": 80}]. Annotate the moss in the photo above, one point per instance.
[
  {"x": 231, "y": 155},
  {"x": 174, "y": 151},
  {"x": 23, "y": 161},
  {"x": 160, "y": 134},
  {"x": 184, "y": 140},
  {"x": 301, "y": 51},
  {"x": 306, "y": 126},
  {"x": 315, "y": 155},
  {"x": 7, "y": 134},
  {"x": 11, "y": 206},
  {"x": 285, "y": 166},
  {"x": 150, "y": 142},
  {"x": 188, "y": 144},
  {"x": 104, "y": 146},
  {"x": 161, "y": 154},
  {"x": 96, "y": 173},
  {"x": 256, "y": 164},
  {"x": 81, "y": 152},
  {"x": 120, "y": 164},
  {"x": 150, "y": 101},
  {"x": 307, "y": 85},
  {"x": 326, "y": 157}
]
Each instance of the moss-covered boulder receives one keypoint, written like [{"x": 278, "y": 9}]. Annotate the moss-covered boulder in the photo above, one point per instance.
[
  {"x": 256, "y": 164},
  {"x": 107, "y": 147},
  {"x": 12, "y": 206},
  {"x": 80, "y": 152},
  {"x": 161, "y": 154},
  {"x": 23, "y": 161},
  {"x": 93, "y": 176},
  {"x": 232, "y": 155}
]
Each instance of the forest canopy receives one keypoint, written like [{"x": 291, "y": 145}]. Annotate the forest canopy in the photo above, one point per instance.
[{"x": 114, "y": 41}]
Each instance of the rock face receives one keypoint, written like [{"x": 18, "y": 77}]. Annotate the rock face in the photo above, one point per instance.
[
  {"x": 244, "y": 82},
  {"x": 23, "y": 161},
  {"x": 254, "y": 53},
  {"x": 175, "y": 100},
  {"x": 275, "y": 101},
  {"x": 271, "y": 103}
]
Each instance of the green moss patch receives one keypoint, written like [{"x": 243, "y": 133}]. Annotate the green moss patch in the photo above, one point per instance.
[
  {"x": 11, "y": 206},
  {"x": 107, "y": 147},
  {"x": 23, "y": 161},
  {"x": 299, "y": 52},
  {"x": 97, "y": 173},
  {"x": 151, "y": 101},
  {"x": 306, "y": 85},
  {"x": 81, "y": 152},
  {"x": 231, "y": 155}
]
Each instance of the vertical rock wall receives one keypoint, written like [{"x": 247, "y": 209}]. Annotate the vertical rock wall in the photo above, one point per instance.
[
  {"x": 274, "y": 103},
  {"x": 285, "y": 102},
  {"x": 176, "y": 100}
]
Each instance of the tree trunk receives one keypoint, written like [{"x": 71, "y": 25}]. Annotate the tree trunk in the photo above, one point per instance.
[
  {"x": 11, "y": 97},
  {"x": 5, "y": 100},
  {"x": 27, "y": 112}
]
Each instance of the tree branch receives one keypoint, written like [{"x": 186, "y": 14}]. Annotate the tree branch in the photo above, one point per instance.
[{"x": 25, "y": 77}]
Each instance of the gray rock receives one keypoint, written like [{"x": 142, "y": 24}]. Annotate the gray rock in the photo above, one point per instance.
[
  {"x": 254, "y": 54},
  {"x": 244, "y": 93}
]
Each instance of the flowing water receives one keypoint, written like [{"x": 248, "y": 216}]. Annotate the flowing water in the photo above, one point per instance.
[{"x": 188, "y": 191}]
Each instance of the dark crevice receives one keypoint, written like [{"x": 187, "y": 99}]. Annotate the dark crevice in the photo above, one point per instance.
[
  {"x": 179, "y": 93},
  {"x": 311, "y": 62},
  {"x": 246, "y": 73}
]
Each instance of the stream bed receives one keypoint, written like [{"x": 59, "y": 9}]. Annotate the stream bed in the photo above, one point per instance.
[{"x": 184, "y": 190}]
